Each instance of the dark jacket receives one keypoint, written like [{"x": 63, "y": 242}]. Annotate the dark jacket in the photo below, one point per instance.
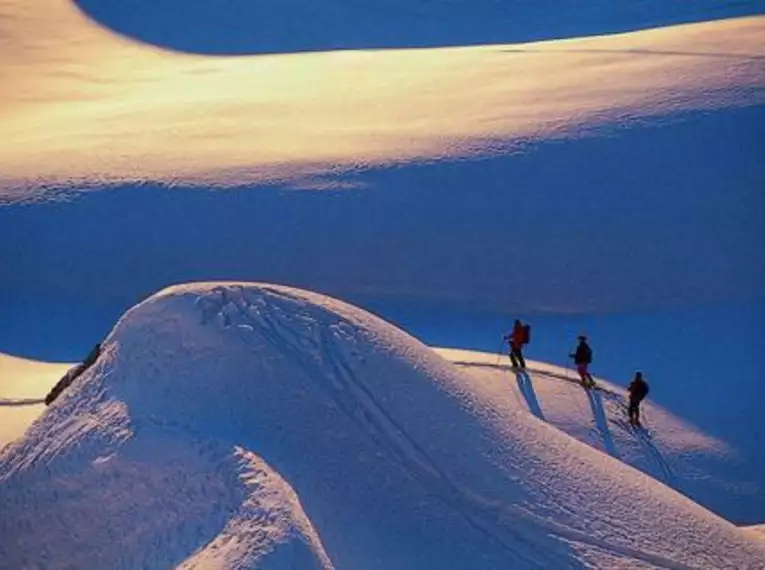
[
  {"x": 583, "y": 354},
  {"x": 638, "y": 389}
]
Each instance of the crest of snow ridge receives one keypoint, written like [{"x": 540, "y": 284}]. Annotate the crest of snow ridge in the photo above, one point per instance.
[{"x": 258, "y": 426}]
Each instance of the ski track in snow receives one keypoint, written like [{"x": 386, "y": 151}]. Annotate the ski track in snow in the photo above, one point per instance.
[
  {"x": 608, "y": 406},
  {"x": 361, "y": 406},
  {"x": 618, "y": 409},
  {"x": 368, "y": 376},
  {"x": 614, "y": 412},
  {"x": 314, "y": 352}
]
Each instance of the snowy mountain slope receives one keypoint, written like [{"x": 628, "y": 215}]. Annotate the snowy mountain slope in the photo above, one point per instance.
[
  {"x": 397, "y": 459},
  {"x": 23, "y": 385},
  {"x": 711, "y": 471},
  {"x": 642, "y": 150},
  {"x": 758, "y": 530},
  {"x": 90, "y": 108},
  {"x": 717, "y": 474},
  {"x": 112, "y": 500}
]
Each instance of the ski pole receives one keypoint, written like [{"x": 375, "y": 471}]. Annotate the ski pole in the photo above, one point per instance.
[{"x": 499, "y": 353}]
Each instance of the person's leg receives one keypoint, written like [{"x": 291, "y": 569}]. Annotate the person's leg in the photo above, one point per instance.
[
  {"x": 634, "y": 412},
  {"x": 519, "y": 356},
  {"x": 584, "y": 372},
  {"x": 585, "y": 375},
  {"x": 513, "y": 360}
]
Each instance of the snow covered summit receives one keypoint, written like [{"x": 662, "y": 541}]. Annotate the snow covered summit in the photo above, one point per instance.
[{"x": 257, "y": 426}]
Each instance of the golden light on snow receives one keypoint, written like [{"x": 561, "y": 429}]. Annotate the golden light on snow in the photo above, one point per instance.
[
  {"x": 79, "y": 102},
  {"x": 23, "y": 382}
]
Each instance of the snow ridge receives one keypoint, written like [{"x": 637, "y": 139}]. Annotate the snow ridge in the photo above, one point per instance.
[{"x": 258, "y": 426}]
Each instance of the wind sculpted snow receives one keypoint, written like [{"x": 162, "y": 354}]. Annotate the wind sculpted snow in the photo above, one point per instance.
[{"x": 260, "y": 426}]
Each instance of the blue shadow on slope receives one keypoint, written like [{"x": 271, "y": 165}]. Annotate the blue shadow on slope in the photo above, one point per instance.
[
  {"x": 646, "y": 217},
  {"x": 642, "y": 218},
  {"x": 526, "y": 388},
  {"x": 238, "y": 27},
  {"x": 601, "y": 421},
  {"x": 642, "y": 437}
]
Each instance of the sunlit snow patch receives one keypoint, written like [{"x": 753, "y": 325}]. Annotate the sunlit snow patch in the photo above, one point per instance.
[{"x": 88, "y": 108}]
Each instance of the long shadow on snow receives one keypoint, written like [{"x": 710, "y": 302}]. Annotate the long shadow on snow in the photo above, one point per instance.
[
  {"x": 245, "y": 27},
  {"x": 642, "y": 436},
  {"x": 601, "y": 414},
  {"x": 526, "y": 388},
  {"x": 601, "y": 421}
]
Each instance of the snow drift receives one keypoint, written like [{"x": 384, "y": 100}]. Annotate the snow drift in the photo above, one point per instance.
[{"x": 257, "y": 426}]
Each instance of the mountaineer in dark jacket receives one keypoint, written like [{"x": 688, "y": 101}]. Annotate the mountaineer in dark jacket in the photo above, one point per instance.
[
  {"x": 582, "y": 359},
  {"x": 638, "y": 390}
]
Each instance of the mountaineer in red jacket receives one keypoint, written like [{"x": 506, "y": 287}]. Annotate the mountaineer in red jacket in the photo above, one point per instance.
[{"x": 517, "y": 338}]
